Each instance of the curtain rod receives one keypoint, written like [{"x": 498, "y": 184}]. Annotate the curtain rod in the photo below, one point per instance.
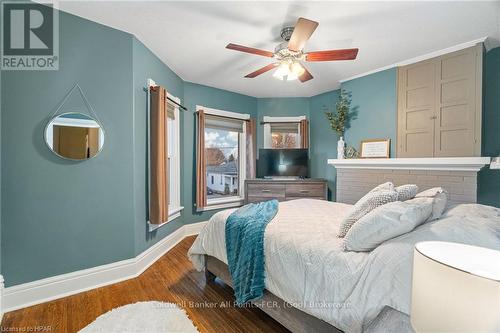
[
  {"x": 173, "y": 101},
  {"x": 179, "y": 105},
  {"x": 216, "y": 115}
]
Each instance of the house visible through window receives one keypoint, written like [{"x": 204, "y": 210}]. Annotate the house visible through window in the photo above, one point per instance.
[
  {"x": 282, "y": 132},
  {"x": 223, "y": 148},
  {"x": 285, "y": 135}
]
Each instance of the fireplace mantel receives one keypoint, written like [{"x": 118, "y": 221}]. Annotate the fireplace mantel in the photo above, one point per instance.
[{"x": 435, "y": 163}]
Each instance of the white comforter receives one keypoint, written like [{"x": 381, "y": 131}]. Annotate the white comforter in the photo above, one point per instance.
[{"x": 305, "y": 265}]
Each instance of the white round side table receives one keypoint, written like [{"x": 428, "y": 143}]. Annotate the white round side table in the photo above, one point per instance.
[{"x": 455, "y": 288}]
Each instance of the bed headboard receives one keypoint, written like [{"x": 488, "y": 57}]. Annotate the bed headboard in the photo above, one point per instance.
[
  {"x": 457, "y": 175},
  {"x": 352, "y": 184}
]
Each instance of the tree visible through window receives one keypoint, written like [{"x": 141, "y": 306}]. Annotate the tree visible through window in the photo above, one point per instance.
[{"x": 285, "y": 135}]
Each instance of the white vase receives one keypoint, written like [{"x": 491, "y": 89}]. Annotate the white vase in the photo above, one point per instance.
[{"x": 340, "y": 148}]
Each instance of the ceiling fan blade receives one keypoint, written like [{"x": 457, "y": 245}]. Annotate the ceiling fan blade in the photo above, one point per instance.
[
  {"x": 303, "y": 30},
  {"x": 262, "y": 70},
  {"x": 250, "y": 50},
  {"x": 345, "y": 54},
  {"x": 306, "y": 76}
]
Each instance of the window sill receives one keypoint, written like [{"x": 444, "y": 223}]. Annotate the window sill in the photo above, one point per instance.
[
  {"x": 222, "y": 203},
  {"x": 175, "y": 213}
]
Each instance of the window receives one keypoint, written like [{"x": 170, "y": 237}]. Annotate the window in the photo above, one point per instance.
[
  {"x": 285, "y": 135},
  {"x": 174, "y": 161},
  {"x": 223, "y": 148},
  {"x": 282, "y": 132}
]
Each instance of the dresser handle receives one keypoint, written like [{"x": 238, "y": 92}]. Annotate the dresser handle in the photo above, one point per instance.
[
  {"x": 266, "y": 191},
  {"x": 304, "y": 191}
]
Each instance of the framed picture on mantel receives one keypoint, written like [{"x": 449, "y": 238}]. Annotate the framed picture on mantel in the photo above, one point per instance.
[{"x": 375, "y": 148}]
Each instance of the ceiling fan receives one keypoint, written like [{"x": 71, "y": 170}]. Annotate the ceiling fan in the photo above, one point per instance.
[{"x": 289, "y": 54}]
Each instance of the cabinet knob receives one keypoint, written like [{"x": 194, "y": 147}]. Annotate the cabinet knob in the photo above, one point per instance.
[
  {"x": 433, "y": 117},
  {"x": 266, "y": 191}
]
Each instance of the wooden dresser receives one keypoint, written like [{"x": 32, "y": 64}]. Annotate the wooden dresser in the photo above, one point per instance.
[{"x": 265, "y": 189}]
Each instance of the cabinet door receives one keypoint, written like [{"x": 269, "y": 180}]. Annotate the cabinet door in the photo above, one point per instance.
[
  {"x": 458, "y": 105},
  {"x": 416, "y": 111}
]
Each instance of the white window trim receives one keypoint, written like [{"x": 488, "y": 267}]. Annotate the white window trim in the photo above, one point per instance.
[
  {"x": 172, "y": 215},
  {"x": 268, "y": 141},
  {"x": 269, "y": 119},
  {"x": 75, "y": 122},
  {"x": 176, "y": 167},
  {"x": 233, "y": 201},
  {"x": 222, "y": 113},
  {"x": 174, "y": 210}
]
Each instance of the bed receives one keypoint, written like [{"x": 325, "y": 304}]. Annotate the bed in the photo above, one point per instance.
[{"x": 312, "y": 285}]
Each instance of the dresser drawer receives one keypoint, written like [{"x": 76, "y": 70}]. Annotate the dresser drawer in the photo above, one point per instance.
[
  {"x": 305, "y": 190},
  {"x": 260, "y": 199},
  {"x": 295, "y": 198},
  {"x": 266, "y": 190}
]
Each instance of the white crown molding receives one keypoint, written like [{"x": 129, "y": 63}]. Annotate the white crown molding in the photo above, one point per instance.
[
  {"x": 431, "y": 55},
  {"x": 431, "y": 163},
  {"x": 48, "y": 289},
  {"x": 75, "y": 122}
]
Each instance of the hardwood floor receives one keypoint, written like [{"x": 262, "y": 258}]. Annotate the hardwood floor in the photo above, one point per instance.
[{"x": 170, "y": 279}]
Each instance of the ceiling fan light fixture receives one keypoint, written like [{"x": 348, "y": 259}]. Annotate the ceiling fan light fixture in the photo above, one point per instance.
[
  {"x": 297, "y": 69},
  {"x": 288, "y": 71}
]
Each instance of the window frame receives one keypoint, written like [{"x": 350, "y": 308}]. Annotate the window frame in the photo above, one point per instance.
[
  {"x": 268, "y": 120},
  {"x": 232, "y": 201},
  {"x": 174, "y": 208}
]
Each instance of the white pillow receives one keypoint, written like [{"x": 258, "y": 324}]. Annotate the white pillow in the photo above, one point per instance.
[
  {"x": 365, "y": 205},
  {"x": 406, "y": 192},
  {"x": 438, "y": 196},
  {"x": 385, "y": 222}
]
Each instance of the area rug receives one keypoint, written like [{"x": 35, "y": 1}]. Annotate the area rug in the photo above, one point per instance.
[{"x": 150, "y": 317}]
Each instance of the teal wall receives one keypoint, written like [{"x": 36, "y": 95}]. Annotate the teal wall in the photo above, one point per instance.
[
  {"x": 279, "y": 107},
  {"x": 60, "y": 216},
  {"x": 489, "y": 180},
  {"x": 147, "y": 66},
  {"x": 375, "y": 101},
  {"x": 323, "y": 138},
  {"x": 196, "y": 94}
]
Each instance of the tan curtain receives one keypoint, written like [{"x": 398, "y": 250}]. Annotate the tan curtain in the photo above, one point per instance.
[
  {"x": 201, "y": 178},
  {"x": 304, "y": 133},
  {"x": 158, "y": 197},
  {"x": 251, "y": 148}
]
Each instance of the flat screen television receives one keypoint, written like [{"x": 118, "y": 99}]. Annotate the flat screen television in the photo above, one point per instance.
[{"x": 283, "y": 163}]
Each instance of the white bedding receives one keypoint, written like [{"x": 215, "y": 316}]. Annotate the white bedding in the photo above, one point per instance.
[{"x": 305, "y": 265}]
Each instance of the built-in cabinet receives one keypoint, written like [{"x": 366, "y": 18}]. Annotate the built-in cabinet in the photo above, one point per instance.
[{"x": 439, "y": 106}]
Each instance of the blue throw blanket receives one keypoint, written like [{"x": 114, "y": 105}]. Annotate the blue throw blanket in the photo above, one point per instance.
[{"x": 245, "y": 248}]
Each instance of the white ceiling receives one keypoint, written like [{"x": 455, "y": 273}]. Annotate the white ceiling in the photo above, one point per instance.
[{"x": 190, "y": 37}]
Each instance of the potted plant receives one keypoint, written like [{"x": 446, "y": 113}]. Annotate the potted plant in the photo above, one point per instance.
[{"x": 340, "y": 119}]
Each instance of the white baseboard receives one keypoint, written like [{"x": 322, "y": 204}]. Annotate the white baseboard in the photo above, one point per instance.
[
  {"x": 48, "y": 289},
  {"x": 1, "y": 298}
]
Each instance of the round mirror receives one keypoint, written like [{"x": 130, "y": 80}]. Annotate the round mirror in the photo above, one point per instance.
[{"x": 74, "y": 136}]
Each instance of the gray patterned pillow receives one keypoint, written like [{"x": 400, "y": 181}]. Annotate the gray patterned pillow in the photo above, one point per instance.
[
  {"x": 365, "y": 205},
  {"x": 406, "y": 192}
]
